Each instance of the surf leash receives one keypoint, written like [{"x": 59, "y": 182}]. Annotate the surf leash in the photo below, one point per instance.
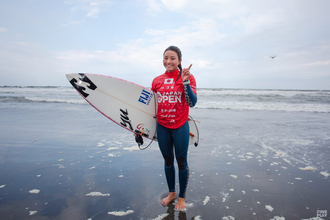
[{"x": 191, "y": 134}]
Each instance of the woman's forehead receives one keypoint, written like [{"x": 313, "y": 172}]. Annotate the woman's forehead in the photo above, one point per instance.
[{"x": 170, "y": 53}]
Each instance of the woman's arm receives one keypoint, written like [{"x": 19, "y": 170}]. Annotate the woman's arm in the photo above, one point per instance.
[{"x": 191, "y": 97}]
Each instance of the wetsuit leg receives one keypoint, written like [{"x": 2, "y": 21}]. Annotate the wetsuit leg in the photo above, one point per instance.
[
  {"x": 165, "y": 143},
  {"x": 181, "y": 143}
]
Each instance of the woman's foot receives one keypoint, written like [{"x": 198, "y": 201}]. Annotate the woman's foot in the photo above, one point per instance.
[
  {"x": 171, "y": 196},
  {"x": 181, "y": 205}
]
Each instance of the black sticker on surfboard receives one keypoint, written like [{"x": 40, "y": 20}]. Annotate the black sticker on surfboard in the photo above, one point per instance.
[
  {"x": 125, "y": 119},
  {"x": 81, "y": 89}
]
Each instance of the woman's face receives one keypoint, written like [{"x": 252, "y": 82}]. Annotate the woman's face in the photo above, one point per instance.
[{"x": 171, "y": 60}]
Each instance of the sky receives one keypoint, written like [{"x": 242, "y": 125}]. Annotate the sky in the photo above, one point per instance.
[{"x": 229, "y": 42}]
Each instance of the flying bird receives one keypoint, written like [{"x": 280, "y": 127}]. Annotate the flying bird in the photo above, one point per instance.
[{"x": 272, "y": 57}]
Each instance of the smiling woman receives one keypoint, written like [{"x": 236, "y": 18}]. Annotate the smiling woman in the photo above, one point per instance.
[
  {"x": 171, "y": 61},
  {"x": 172, "y": 120}
]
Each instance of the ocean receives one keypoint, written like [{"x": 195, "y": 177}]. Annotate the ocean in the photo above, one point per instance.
[
  {"x": 263, "y": 154},
  {"x": 233, "y": 99}
]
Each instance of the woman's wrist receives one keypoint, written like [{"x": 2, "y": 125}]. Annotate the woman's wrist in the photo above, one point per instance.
[{"x": 185, "y": 82}]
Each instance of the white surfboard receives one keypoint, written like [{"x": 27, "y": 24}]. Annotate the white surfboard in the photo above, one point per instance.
[{"x": 129, "y": 105}]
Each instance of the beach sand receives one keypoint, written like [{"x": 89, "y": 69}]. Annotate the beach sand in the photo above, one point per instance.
[{"x": 62, "y": 161}]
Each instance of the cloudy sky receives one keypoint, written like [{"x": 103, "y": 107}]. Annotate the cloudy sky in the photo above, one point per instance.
[{"x": 229, "y": 42}]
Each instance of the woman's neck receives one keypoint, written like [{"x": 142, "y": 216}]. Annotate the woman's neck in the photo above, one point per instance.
[{"x": 174, "y": 71}]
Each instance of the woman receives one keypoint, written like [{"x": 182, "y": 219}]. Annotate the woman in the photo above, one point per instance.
[{"x": 176, "y": 90}]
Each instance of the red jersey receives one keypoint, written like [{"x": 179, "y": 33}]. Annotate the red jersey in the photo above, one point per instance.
[{"x": 173, "y": 109}]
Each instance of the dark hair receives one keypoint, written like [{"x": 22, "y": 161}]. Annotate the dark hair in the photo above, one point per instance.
[{"x": 178, "y": 51}]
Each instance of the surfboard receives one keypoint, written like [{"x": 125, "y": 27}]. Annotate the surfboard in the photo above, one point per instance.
[{"x": 127, "y": 104}]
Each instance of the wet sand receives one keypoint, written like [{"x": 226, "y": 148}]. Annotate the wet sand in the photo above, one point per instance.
[{"x": 69, "y": 162}]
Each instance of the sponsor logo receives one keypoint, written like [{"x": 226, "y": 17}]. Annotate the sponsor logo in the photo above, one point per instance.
[
  {"x": 145, "y": 97},
  {"x": 322, "y": 213},
  {"x": 80, "y": 87},
  {"x": 169, "y": 97},
  {"x": 168, "y": 81},
  {"x": 125, "y": 121},
  {"x": 141, "y": 129}
]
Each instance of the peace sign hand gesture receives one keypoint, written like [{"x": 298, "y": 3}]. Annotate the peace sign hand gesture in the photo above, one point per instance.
[{"x": 186, "y": 73}]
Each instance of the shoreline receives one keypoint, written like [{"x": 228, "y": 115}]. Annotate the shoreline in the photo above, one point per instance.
[{"x": 81, "y": 166}]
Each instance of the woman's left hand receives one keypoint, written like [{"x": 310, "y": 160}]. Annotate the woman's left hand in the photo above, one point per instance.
[{"x": 186, "y": 73}]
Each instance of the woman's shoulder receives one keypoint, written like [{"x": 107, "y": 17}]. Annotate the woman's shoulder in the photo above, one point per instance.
[
  {"x": 158, "y": 78},
  {"x": 156, "y": 82}
]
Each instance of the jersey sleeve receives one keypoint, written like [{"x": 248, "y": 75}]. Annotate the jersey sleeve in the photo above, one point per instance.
[
  {"x": 153, "y": 85},
  {"x": 193, "y": 84}
]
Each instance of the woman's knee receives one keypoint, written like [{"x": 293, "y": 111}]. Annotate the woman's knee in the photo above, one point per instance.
[
  {"x": 168, "y": 161},
  {"x": 181, "y": 163}
]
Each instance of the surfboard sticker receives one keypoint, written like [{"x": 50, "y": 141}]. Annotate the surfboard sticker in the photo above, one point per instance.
[{"x": 129, "y": 105}]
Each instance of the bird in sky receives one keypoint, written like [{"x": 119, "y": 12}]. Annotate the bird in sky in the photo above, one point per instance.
[{"x": 272, "y": 57}]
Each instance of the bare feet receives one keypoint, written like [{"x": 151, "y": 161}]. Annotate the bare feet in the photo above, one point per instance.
[
  {"x": 181, "y": 205},
  {"x": 168, "y": 199}
]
